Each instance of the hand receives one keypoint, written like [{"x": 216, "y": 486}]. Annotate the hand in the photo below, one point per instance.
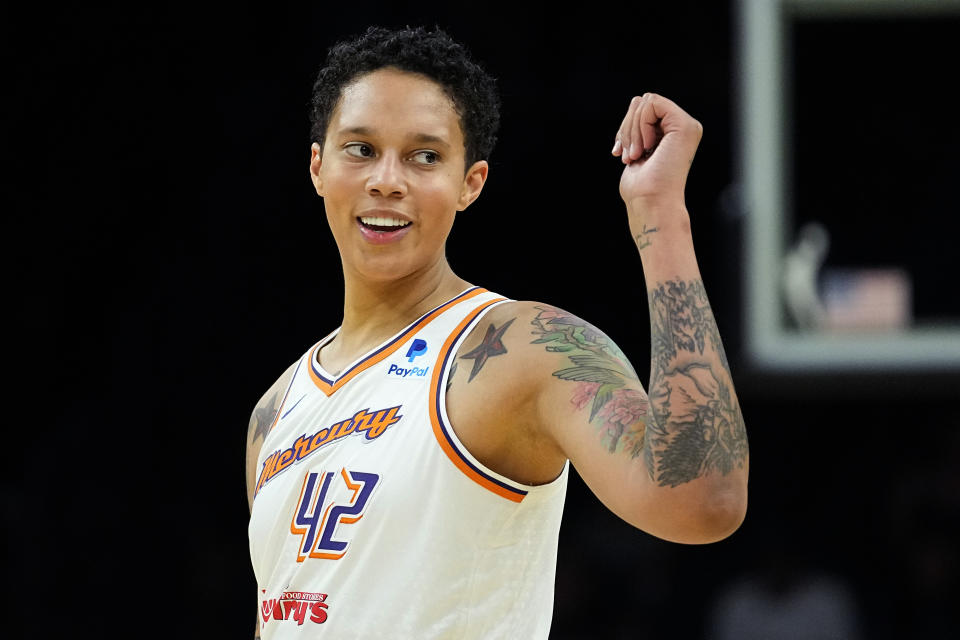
[{"x": 657, "y": 141}]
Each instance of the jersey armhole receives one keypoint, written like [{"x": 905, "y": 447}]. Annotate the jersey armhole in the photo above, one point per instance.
[{"x": 447, "y": 438}]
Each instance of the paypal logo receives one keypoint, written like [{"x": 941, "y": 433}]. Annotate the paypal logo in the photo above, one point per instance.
[
  {"x": 418, "y": 348},
  {"x": 416, "y": 372}
]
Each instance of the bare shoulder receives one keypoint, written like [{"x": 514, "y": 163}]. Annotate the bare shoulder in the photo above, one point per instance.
[
  {"x": 521, "y": 365},
  {"x": 261, "y": 421},
  {"x": 538, "y": 335},
  {"x": 490, "y": 397},
  {"x": 490, "y": 354}
]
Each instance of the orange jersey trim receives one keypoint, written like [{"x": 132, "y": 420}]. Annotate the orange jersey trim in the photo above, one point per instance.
[
  {"x": 386, "y": 351},
  {"x": 439, "y": 429}
]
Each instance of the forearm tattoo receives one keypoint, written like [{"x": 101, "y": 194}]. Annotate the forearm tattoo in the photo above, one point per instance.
[{"x": 698, "y": 425}]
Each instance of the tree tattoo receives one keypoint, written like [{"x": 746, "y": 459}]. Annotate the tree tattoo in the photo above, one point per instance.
[
  {"x": 492, "y": 345},
  {"x": 699, "y": 425}
]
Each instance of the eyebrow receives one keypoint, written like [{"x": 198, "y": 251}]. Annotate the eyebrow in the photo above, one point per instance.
[{"x": 425, "y": 138}]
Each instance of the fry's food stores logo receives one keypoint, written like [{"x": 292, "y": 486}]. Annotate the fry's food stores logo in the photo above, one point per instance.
[{"x": 295, "y": 605}]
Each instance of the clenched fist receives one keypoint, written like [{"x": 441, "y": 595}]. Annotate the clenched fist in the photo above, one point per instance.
[{"x": 656, "y": 141}]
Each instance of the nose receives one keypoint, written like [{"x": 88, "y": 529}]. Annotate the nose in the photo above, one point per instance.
[{"x": 386, "y": 177}]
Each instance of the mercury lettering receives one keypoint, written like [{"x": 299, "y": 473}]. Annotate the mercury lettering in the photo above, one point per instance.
[{"x": 371, "y": 424}]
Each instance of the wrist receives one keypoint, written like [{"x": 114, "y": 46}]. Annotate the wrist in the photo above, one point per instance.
[
  {"x": 654, "y": 210},
  {"x": 665, "y": 242},
  {"x": 668, "y": 220}
]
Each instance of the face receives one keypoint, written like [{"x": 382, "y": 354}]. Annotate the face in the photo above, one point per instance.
[{"x": 391, "y": 174}]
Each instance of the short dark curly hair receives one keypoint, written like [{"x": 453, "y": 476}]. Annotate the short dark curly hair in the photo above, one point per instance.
[{"x": 433, "y": 54}]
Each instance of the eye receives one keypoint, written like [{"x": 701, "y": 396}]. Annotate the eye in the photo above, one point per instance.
[
  {"x": 427, "y": 157},
  {"x": 359, "y": 150}
]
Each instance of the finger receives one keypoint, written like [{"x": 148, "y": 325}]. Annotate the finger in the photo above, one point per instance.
[
  {"x": 673, "y": 119},
  {"x": 620, "y": 144},
  {"x": 648, "y": 122},
  {"x": 644, "y": 140},
  {"x": 624, "y": 137},
  {"x": 636, "y": 138}
]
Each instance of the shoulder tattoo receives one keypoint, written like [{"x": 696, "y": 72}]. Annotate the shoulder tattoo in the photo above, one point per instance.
[
  {"x": 601, "y": 372},
  {"x": 492, "y": 345}
]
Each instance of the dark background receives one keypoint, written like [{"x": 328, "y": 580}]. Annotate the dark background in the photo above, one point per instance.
[{"x": 168, "y": 259}]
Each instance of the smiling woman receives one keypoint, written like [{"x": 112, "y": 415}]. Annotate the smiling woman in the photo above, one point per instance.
[{"x": 378, "y": 474}]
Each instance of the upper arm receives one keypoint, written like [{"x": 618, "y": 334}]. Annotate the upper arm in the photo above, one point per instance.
[
  {"x": 261, "y": 421},
  {"x": 540, "y": 386},
  {"x": 590, "y": 403}
]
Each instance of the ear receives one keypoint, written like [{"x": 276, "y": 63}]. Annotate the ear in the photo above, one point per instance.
[
  {"x": 473, "y": 184},
  {"x": 316, "y": 160}
]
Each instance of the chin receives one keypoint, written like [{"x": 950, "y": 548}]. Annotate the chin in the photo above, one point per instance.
[{"x": 385, "y": 269}]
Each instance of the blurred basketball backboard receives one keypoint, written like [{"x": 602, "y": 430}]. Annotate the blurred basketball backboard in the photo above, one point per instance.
[{"x": 826, "y": 160}]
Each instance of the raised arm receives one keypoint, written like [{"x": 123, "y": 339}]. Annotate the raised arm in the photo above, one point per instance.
[
  {"x": 675, "y": 463},
  {"x": 537, "y": 385},
  {"x": 695, "y": 442},
  {"x": 698, "y": 430}
]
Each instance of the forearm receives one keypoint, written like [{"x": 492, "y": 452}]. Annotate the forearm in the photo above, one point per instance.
[{"x": 697, "y": 433}]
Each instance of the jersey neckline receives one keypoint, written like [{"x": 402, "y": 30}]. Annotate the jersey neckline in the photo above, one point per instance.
[{"x": 329, "y": 382}]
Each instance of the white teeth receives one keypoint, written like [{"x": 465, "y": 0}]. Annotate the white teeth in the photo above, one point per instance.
[{"x": 383, "y": 222}]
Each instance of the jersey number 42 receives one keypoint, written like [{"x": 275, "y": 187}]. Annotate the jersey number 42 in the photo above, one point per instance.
[{"x": 318, "y": 514}]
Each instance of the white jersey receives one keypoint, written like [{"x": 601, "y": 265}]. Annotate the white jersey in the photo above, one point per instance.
[{"x": 370, "y": 518}]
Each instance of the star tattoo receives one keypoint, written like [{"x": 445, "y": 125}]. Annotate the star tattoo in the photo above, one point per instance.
[
  {"x": 264, "y": 418},
  {"x": 492, "y": 345}
]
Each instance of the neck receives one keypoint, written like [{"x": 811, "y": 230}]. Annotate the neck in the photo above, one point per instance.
[{"x": 375, "y": 310}]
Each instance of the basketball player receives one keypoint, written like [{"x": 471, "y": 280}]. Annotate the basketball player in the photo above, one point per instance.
[{"x": 406, "y": 475}]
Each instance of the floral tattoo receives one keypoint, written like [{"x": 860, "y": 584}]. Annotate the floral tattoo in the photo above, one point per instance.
[{"x": 601, "y": 371}]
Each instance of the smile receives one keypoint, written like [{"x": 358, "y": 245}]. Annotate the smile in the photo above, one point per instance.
[
  {"x": 382, "y": 224},
  {"x": 382, "y": 230}
]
